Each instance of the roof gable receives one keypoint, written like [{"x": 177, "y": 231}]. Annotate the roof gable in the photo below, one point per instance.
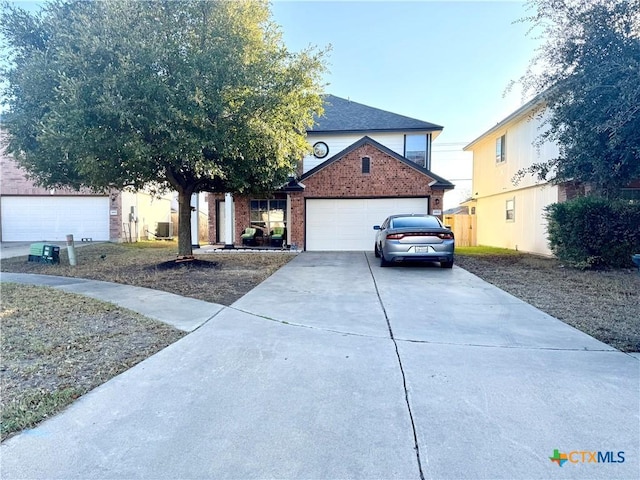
[
  {"x": 341, "y": 115},
  {"x": 525, "y": 110},
  {"x": 439, "y": 182}
]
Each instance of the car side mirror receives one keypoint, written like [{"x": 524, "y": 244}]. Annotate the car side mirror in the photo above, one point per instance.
[
  {"x": 376, "y": 227},
  {"x": 448, "y": 226}
]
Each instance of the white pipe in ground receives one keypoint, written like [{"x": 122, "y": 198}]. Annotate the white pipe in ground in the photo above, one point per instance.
[{"x": 71, "y": 251}]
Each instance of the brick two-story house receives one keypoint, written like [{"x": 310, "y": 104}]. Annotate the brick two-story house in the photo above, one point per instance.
[{"x": 366, "y": 164}]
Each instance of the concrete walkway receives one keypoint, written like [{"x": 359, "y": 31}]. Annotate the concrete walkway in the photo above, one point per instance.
[
  {"x": 336, "y": 368},
  {"x": 19, "y": 249},
  {"x": 183, "y": 313}
]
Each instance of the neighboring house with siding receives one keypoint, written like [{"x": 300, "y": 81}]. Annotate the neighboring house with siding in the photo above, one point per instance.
[
  {"x": 366, "y": 164},
  {"x": 31, "y": 213},
  {"x": 511, "y": 215}
]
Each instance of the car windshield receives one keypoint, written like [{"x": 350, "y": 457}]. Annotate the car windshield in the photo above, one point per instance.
[{"x": 409, "y": 222}]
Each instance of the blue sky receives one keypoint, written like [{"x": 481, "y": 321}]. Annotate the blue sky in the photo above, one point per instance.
[{"x": 445, "y": 62}]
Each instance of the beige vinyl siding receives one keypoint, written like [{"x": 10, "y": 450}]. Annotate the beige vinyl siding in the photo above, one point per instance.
[
  {"x": 528, "y": 230},
  {"x": 148, "y": 210},
  {"x": 338, "y": 142},
  {"x": 493, "y": 185},
  {"x": 491, "y": 178}
]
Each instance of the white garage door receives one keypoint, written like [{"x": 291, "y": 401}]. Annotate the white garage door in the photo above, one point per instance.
[
  {"x": 26, "y": 219},
  {"x": 340, "y": 224}
]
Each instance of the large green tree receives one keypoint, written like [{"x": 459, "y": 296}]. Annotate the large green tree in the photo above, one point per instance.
[
  {"x": 187, "y": 95},
  {"x": 587, "y": 72}
]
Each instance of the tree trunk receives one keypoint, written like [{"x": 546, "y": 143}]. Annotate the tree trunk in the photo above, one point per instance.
[{"x": 184, "y": 223}]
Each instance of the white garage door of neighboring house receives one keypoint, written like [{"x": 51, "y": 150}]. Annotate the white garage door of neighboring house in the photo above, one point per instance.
[
  {"x": 347, "y": 224},
  {"x": 26, "y": 219}
]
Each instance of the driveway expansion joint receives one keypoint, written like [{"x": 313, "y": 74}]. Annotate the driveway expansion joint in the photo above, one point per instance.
[
  {"x": 512, "y": 347},
  {"x": 310, "y": 327},
  {"x": 209, "y": 319},
  {"x": 416, "y": 445}
]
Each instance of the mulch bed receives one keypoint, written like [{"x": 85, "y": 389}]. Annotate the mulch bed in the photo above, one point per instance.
[{"x": 191, "y": 265}]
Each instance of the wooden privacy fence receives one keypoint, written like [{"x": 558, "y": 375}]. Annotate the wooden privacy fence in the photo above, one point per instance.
[{"x": 464, "y": 229}]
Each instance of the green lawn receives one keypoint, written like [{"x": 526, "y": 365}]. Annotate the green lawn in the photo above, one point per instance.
[{"x": 481, "y": 250}]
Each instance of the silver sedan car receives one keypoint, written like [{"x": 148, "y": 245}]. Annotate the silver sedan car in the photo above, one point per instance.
[{"x": 414, "y": 238}]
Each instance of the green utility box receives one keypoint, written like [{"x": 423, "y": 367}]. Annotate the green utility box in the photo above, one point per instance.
[{"x": 44, "y": 253}]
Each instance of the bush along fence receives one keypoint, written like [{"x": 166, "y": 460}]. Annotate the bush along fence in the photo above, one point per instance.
[{"x": 593, "y": 232}]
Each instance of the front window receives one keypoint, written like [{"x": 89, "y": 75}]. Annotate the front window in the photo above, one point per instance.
[
  {"x": 268, "y": 214},
  {"x": 416, "y": 149}
]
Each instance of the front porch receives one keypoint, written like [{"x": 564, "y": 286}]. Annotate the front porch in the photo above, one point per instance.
[{"x": 268, "y": 217}]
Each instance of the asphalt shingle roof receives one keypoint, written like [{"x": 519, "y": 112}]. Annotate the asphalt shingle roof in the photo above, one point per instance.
[{"x": 341, "y": 115}]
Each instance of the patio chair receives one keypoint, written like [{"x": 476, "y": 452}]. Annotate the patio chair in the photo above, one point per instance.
[
  {"x": 277, "y": 236},
  {"x": 249, "y": 236}
]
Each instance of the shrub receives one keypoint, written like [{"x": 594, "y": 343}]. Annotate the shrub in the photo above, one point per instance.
[{"x": 593, "y": 232}]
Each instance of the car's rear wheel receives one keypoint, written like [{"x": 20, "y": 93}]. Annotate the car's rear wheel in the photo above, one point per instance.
[
  {"x": 376, "y": 252},
  {"x": 448, "y": 264},
  {"x": 383, "y": 261}
]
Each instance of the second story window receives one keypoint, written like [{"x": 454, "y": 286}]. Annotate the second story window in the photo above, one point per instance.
[
  {"x": 416, "y": 149},
  {"x": 501, "y": 149}
]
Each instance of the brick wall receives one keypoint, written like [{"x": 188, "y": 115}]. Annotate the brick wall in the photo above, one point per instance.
[
  {"x": 242, "y": 216},
  {"x": 115, "y": 221},
  {"x": 296, "y": 223},
  {"x": 241, "y": 205},
  {"x": 570, "y": 190},
  {"x": 388, "y": 177},
  {"x": 14, "y": 181}
]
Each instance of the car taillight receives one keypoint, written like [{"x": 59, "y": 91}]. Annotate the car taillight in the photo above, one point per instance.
[
  {"x": 395, "y": 236},
  {"x": 446, "y": 236}
]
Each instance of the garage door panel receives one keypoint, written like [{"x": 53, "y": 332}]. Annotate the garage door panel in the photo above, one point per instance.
[
  {"x": 53, "y": 218},
  {"x": 347, "y": 224}
]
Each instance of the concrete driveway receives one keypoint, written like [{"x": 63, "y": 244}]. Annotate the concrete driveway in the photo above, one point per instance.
[
  {"x": 337, "y": 368},
  {"x": 19, "y": 249}
]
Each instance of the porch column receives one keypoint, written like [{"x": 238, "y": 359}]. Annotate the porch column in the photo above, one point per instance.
[
  {"x": 288, "y": 216},
  {"x": 228, "y": 220},
  {"x": 195, "y": 220}
]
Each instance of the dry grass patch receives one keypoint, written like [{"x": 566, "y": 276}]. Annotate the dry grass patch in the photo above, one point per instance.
[
  {"x": 218, "y": 278},
  {"x": 56, "y": 346}
]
